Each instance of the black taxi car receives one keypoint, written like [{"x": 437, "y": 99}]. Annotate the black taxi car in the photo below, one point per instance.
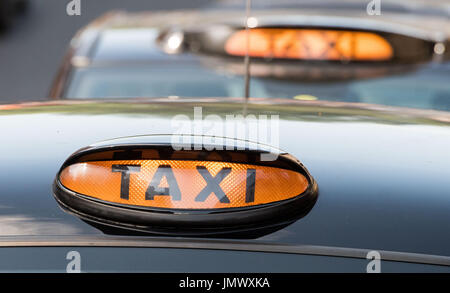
[
  {"x": 149, "y": 158},
  {"x": 396, "y": 59}
]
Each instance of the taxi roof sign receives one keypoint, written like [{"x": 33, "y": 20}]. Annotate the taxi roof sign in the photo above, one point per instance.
[
  {"x": 310, "y": 44},
  {"x": 159, "y": 190}
]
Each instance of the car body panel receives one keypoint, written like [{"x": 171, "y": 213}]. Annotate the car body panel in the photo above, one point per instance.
[
  {"x": 181, "y": 260},
  {"x": 382, "y": 172}
]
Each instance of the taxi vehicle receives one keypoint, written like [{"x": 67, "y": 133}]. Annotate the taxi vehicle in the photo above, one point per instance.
[
  {"x": 340, "y": 54},
  {"x": 149, "y": 157}
]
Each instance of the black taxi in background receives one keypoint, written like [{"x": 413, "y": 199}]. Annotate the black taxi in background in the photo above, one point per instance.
[
  {"x": 150, "y": 158},
  {"x": 328, "y": 52}
]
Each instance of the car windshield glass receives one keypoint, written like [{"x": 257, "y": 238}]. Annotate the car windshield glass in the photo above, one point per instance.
[{"x": 425, "y": 88}]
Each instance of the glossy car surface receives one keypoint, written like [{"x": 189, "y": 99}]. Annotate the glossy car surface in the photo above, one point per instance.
[{"x": 382, "y": 172}]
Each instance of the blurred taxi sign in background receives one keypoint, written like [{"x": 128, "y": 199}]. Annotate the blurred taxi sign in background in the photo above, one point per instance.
[
  {"x": 310, "y": 44},
  {"x": 342, "y": 43}
]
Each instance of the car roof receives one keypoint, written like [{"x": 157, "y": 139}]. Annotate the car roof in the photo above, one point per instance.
[{"x": 382, "y": 172}]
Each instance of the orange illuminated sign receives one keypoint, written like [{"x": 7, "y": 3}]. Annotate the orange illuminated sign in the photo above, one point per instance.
[
  {"x": 182, "y": 184},
  {"x": 310, "y": 44}
]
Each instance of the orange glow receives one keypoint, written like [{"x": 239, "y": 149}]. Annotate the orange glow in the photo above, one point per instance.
[
  {"x": 310, "y": 44},
  {"x": 197, "y": 184}
]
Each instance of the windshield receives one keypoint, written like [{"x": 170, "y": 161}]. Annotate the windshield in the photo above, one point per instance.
[{"x": 425, "y": 88}]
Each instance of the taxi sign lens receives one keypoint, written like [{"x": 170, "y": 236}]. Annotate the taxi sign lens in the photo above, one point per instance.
[{"x": 182, "y": 184}]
